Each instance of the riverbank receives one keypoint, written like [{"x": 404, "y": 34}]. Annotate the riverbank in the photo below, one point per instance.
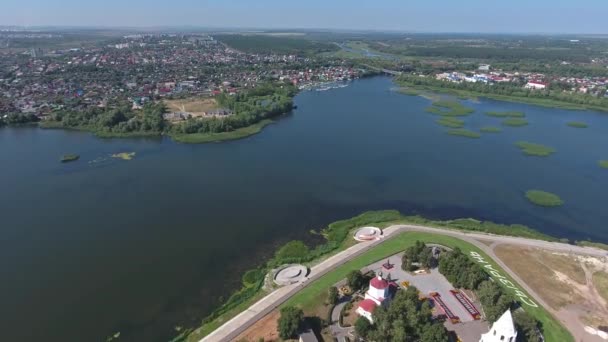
[
  {"x": 201, "y": 138},
  {"x": 338, "y": 239},
  {"x": 414, "y": 89}
]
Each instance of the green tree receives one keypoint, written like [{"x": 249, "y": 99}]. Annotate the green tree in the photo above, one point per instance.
[
  {"x": 290, "y": 321},
  {"x": 362, "y": 326},
  {"x": 434, "y": 332},
  {"x": 355, "y": 279},
  {"x": 527, "y": 326},
  {"x": 332, "y": 296}
]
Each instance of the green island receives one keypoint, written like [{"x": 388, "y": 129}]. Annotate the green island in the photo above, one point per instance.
[
  {"x": 577, "y": 124},
  {"x": 450, "y": 122},
  {"x": 464, "y": 133},
  {"x": 337, "y": 238},
  {"x": 69, "y": 158},
  {"x": 124, "y": 155},
  {"x": 490, "y": 129},
  {"x": 251, "y": 111},
  {"x": 603, "y": 164},
  {"x": 543, "y": 198},
  {"x": 515, "y": 122},
  {"x": 537, "y": 150},
  {"x": 449, "y": 108},
  {"x": 508, "y": 114},
  {"x": 509, "y": 93}
]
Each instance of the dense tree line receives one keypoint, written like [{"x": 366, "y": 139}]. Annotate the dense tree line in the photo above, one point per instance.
[
  {"x": 509, "y": 89},
  {"x": 407, "y": 318},
  {"x": 17, "y": 119},
  {"x": 120, "y": 120},
  {"x": 463, "y": 272}
]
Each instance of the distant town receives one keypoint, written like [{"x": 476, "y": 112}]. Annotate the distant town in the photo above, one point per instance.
[{"x": 141, "y": 68}]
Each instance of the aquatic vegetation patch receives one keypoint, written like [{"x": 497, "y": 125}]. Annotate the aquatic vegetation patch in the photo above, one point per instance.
[
  {"x": 69, "y": 158},
  {"x": 448, "y": 121},
  {"x": 490, "y": 129},
  {"x": 577, "y": 124},
  {"x": 515, "y": 122},
  {"x": 537, "y": 150},
  {"x": 508, "y": 114},
  {"x": 449, "y": 108},
  {"x": 464, "y": 133},
  {"x": 603, "y": 163},
  {"x": 124, "y": 155},
  {"x": 543, "y": 198}
]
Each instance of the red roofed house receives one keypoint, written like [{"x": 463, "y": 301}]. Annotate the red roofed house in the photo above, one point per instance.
[{"x": 376, "y": 295}]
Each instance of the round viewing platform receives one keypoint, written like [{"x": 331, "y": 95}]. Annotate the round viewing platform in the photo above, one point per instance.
[{"x": 368, "y": 234}]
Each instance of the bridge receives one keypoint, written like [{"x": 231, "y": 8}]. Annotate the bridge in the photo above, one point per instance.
[{"x": 386, "y": 71}]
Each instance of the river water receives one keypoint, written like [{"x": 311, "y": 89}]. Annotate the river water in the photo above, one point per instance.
[{"x": 104, "y": 245}]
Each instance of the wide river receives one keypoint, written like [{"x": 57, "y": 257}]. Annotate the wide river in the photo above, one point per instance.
[{"x": 104, "y": 245}]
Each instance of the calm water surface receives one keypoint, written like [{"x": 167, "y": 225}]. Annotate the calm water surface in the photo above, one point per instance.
[{"x": 103, "y": 245}]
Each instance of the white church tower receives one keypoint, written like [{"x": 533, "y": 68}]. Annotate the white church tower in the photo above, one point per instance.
[{"x": 503, "y": 330}]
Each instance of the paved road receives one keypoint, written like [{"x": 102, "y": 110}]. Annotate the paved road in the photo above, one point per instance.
[{"x": 244, "y": 320}]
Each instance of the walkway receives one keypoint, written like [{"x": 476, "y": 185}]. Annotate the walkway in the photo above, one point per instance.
[{"x": 242, "y": 321}]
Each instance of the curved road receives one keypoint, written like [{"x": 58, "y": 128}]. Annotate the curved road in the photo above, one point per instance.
[{"x": 261, "y": 308}]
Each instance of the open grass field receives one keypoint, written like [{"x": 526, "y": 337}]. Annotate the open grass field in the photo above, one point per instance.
[
  {"x": 200, "y": 138},
  {"x": 313, "y": 295},
  {"x": 194, "y": 106}
]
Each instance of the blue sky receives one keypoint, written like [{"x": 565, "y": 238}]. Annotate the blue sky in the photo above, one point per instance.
[{"x": 548, "y": 16}]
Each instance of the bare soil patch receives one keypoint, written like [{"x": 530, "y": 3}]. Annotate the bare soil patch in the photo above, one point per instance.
[
  {"x": 575, "y": 286},
  {"x": 265, "y": 328},
  {"x": 194, "y": 106}
]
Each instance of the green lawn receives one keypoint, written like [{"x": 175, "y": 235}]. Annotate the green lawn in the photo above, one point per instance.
[
  {"x": 199, "y": 138},
  {"x": 308, "y": 297}
]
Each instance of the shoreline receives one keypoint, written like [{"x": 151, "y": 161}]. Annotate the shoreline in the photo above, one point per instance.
[
  {"x": 417, "y": 90},
  {"x": 343, "y": 229},
  {"x": 324, "y": 269}
]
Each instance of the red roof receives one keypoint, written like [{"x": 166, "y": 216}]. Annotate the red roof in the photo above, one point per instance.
[
  {"x": 368, "y": 305},
  {"x": 378, "y": 283}
]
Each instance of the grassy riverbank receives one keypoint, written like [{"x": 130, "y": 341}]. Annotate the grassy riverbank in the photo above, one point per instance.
[
  {"x": 200, "y": 138},
  {"x": 315, "y": 293},
  {"x": 338, "y": 237}
]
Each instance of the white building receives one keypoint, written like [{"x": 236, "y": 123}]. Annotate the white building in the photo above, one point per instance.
[
  {"x": 503, "y": 330},
  {"x": 376, "y": 295},
  {"x": 536, "y": 85}
]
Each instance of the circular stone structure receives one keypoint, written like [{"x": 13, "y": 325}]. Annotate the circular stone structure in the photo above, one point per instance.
[
  {"x": 290, "y": 274},
  {"x": 368, "y": 234}
]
